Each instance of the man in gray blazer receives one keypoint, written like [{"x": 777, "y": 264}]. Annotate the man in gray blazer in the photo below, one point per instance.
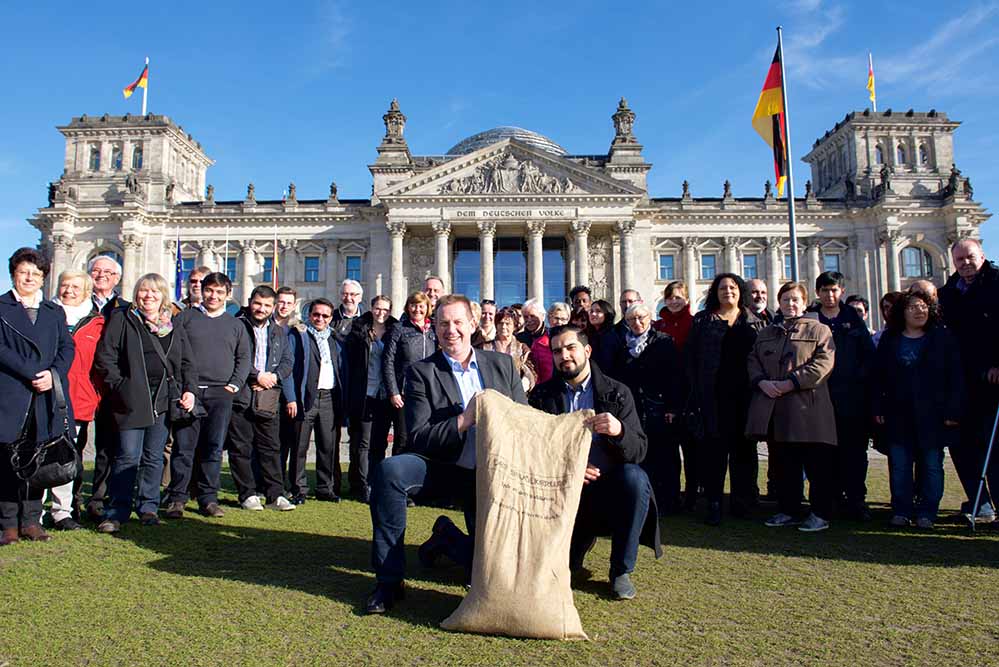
[{"x": 440, "y": 414}]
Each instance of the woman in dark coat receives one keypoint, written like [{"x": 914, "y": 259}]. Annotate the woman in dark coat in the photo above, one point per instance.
[
  {"x": 649, "y": 366},
  {"x": 369, "y": 413},
  {"x": 34, "y": 344},
  {"x": 721, "y": 339},
  {"x": 602, "y": 316},
  {"x": 412, "y": 339},
  {"x": 128, "y": 361},
  {"x": 789, "y": 370},
  {"x": 918, "y": 398}
]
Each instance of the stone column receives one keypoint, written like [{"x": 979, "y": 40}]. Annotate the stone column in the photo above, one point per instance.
[
  {"x": 774, "y": 268},
  {"x": 893, "y": 241},
  {"x": 615, "y": 269},
  {"x": 397, "y": 230},
  {"x": 132, "y": 244},
  {"x": 62, "y": 249},
  {"x": 332, "y": 264},
  {"x": 206, "y": 254},
  {"x": 581, "y": 228},
  {"x": 487, "y": 230},
  {"x": 813, "y": 266},
  {"x": 690, "y": 267},
  {"x": 852, "y": 266},
  {"x": 730, "y": 250},
  {"x": 442, "y": 231},
  {"x": 626, "y": 228},
  {"x": 288, "y": 269},
  {"x": 248, "y": 253},
  {"x": 535, "y": 261}
]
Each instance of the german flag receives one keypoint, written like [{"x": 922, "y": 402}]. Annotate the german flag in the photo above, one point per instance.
[
  {"x": 141, "y": 82},
  {"x": 768, "y": 119}
]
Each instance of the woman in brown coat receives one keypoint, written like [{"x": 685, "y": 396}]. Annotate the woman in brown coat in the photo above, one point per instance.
[{"x": 791, "y": 408}]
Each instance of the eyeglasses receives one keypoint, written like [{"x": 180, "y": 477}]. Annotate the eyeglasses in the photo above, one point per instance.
[
  {"x": 322, "y": 316},
  {"x": 488, "y": 302},
  {"x": 103, "y": 272},
  {"x": 28, "y": 274},
  {"x": 917, "y": 308}
]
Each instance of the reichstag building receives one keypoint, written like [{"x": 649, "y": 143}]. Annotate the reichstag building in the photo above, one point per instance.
[{"x": 509, "y": 214}]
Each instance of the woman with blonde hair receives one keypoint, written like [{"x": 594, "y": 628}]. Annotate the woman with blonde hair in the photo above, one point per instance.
[{"x": 148, "y": 365}]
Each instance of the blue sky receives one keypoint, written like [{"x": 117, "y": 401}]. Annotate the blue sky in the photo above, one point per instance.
[{"x": 297, "y": 93}]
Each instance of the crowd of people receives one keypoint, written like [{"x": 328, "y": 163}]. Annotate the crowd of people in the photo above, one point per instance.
[{"x": 681, "y": 400}]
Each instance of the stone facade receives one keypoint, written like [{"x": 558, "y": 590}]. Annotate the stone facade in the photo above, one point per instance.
[{"x": 886, "y": 203}]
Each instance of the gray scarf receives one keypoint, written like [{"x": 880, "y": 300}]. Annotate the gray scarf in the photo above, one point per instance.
[
  {"x": 636, "y": 344},
  {"x": 321, "y": 338}
]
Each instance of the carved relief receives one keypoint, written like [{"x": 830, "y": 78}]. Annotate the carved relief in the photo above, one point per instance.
[
  {"x": 396, "y": 228},
  {"x": 420, "y": 250},
  {"x": 600, "y": 266},
  {"x": 505, "y": 174}
]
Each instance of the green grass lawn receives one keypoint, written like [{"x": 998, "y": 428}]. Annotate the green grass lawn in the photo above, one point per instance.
[{"x": 268, "y": 588}]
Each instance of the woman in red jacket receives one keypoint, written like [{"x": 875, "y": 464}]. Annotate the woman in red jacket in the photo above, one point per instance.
[
  {"x": 675, "y": 318},
  {"x": 85, "y": 326}
]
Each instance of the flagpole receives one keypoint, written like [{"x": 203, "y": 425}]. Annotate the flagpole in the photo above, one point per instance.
[
  {"x": 145, "y": 88},
  {"x": 226, "y": 270},
  {"x": 790, "y": 171},
  {"x": 870, "y": 64},
  {"x": 178, "y": 271}
]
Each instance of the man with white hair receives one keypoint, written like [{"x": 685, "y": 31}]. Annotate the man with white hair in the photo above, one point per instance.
[
  {"x": 348, "y": 311},
  {"x": 106, "y": 274},
  {"x": 970, "y": 307},
  {"x": 613, "y": 339},
  {"x": 534, "y": 322}
]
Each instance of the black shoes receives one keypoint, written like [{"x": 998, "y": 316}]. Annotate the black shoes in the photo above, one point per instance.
[
  {"x": 67, "y": 524},
  {"x": 714, "y": 515},
  {"x": 149, "y": 519},
  {"x": 328, "y": 497},
  {"x": 431, "y": 550},
  {"x": 384, "y": 597},
  {"x": 623, "y": 588},
  {"x": 298, "y": 500}
]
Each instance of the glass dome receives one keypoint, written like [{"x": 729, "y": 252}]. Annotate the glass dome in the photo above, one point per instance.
[{"x": 483, "y": 139}]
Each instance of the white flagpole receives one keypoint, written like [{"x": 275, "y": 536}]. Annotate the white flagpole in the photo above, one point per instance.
[
  {"x": 145, "y": 89},
  {"x": 226, "y": 270},
  {"x": 790, "y": 177}
]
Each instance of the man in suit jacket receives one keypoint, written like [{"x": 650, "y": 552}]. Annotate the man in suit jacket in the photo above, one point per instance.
[
  {"x": 316, "y": 404},
  {"x": 440, "y": 415},
  {"x": 617, "y": 496}
]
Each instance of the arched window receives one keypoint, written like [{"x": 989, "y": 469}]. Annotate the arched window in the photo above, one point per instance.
[
  {"x": 900, "y": 154},
  {"x": 116, "y": 157},
  {"x": 879, "y": 155},
  {"x": 924, "y": 155},
  {"x": 916, "y": 263},
  {"x": 137, "y": 158},
  {"x": 95, "y": 158}
]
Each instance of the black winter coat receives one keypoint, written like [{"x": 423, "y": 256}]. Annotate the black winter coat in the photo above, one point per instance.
[
  {"x": 25, "y": 350},
  {"x": 850, "y": 382},
  {"x": 713, "y": 418},
  {"x": 357, "y": 351},
  {"x": 973, "y": 316},
  {"x": 279, "y": 359},
  {"x": 119, "y": 361},
  {"x": 405, "y": 345},
  {"x": 655, "y": 377},
  {"x": 916, "y": 401}
]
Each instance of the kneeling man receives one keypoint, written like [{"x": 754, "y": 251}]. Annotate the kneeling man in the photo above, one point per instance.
[
  {"x": 440, "y": 458},
  {"x": 617, "y": 496}
]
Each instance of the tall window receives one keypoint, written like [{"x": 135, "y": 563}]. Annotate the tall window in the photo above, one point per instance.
[
  {"x": 916, "y": 263},
  {"x": 900, "y": 154},
  {"x": 230, "y": 268},
  {"x": 268, "y": 269},
  {"x": 466, "y": 267},
  {"x": 830, "y": 262},
  {"x": 311, "y": 269},
  {"x": 924, "y": 155},
  {"x": 116, "y": 157},
  {"x": 666, "y": 267},
  {"x": 708, "y": 264},
  {"x": 879, "y": 155},
  {"x": 556, "y": 275},
  {"x": 137, "y": 158},
  {"x": 354, "y": 267},
  {"x": 95, "y": 158},
  {"x": 510, "y": 269},
  {"x": 186, "y": 266},
  {"x": 749, "y": 266},
  {"x": 787, "y": 266}
]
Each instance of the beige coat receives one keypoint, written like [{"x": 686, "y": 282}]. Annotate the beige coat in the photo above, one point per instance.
[{"x": 804, "y": 353}]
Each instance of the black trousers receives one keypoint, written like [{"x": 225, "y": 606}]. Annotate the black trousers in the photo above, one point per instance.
[
  {"x": 968, "y": 454},
  {"x": 850, "y": 460},
  {"x": 288, "y": 438},
  {"x": 815, "y": 460},
  {"x": 323, "y": 421},
  {"x": 20, "y": 505},
  {"x": 662, "y": 463},
  {"x": 254, "y": 439},
  {"x": 105, "y": 450},
  {"x": 368, "y": 431},
  {"x": 737, "y": 455},
  {"x": 399, "y": 434}
]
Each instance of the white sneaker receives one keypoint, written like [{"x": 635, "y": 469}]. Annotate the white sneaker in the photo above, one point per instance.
[
  {"x": 780, "y": 519},
  {"x": 813, "y": 524},
  {"x": 282, "y": 504},
  {"x": 253, "y": 503}
]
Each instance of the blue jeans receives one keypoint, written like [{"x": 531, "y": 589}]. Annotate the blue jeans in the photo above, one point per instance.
[
  {"x": 409, "y": 475},
  {"x": 616, "y": 503},
  {"x": 206, "y": 436},
  {"x": 140, "y": 454},
  {"x": 929, "y": 472}
]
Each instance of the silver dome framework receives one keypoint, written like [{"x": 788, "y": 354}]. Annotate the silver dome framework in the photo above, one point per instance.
[{"x": 489, "y": 137}]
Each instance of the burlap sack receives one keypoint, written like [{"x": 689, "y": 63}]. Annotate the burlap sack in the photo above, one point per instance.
[{"x": 528, "y": 479}]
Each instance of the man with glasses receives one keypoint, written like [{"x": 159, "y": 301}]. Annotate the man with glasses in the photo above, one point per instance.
[
  {"x": 316, "y": 404},
  {"x": 349, "y": 310},
  {"x": 106, "y": 274}
]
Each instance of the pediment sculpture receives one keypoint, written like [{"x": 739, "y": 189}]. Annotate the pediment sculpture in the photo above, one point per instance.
[{"x": 505, "y": 174}]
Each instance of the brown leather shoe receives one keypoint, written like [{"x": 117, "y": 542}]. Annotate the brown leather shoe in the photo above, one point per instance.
[
  {"x": 35, "y": 533},
  {"x": 175, "y": 510},
  {"x": 9, "y": 536},
  {"x": 213, "y": 510}
]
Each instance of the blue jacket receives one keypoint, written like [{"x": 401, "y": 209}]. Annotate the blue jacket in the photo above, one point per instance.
[{"x": 25, "y": 350}]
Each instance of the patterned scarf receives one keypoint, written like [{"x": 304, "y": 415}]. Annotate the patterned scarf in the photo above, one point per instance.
[
  {"x": 321, "y": 338},
  {"x": 160, "y": 327},
  {"x": 636, "y": 344}
]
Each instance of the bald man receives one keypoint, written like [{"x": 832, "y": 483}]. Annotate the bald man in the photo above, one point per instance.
[{"x": 970, "y": 306}]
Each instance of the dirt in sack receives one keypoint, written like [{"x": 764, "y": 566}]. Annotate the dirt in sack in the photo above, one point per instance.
[{"x": 528, "y": 482}]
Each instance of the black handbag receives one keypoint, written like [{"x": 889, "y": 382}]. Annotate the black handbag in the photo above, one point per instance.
[
  {"x": 53, "y": 462},
  {"x": 175, "y": 412}
]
